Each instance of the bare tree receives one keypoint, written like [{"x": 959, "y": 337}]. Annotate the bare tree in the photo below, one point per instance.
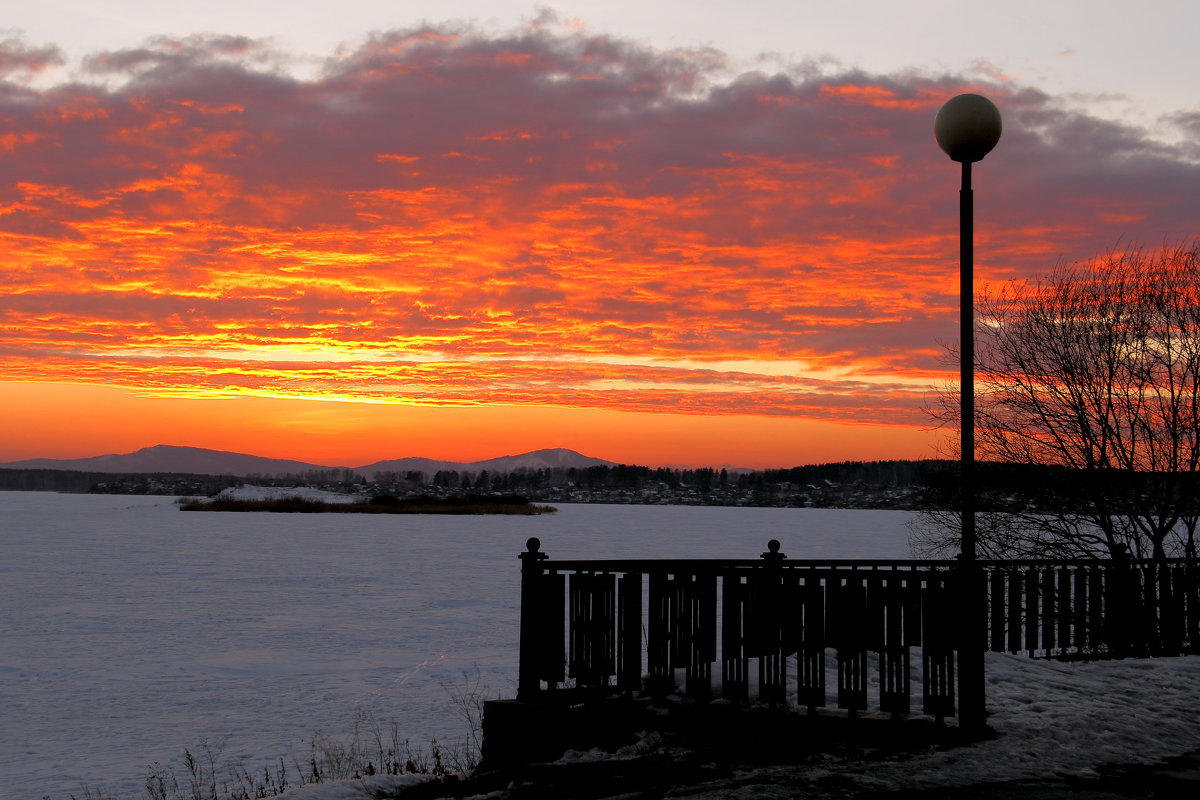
[{"x": 1094, "y": 370}]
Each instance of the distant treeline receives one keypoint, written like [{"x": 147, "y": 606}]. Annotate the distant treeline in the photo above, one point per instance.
[
  {"x": 878, "y": 473},
  {"x": 61, "y": 480},
  {"x": 625, "y": 476},
  {"x": 891, "y": 484}
]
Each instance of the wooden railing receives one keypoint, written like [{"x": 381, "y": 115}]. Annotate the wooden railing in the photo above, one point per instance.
[
  {"x": 643, "y": 625},
  {"x": 1093, "y": 608}
]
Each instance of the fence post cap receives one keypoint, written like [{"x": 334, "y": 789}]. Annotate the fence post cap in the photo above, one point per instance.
[
  {"x": 773, "y": 553},
  {"x": 533, "y": 550}
]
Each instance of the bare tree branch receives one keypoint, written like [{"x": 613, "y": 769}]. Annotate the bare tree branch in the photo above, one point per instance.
[{"x": 1095, "y": 369}]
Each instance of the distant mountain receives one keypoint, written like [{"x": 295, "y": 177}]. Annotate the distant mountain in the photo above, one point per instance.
[
  {"x": 199, "y": 461},
  {"x": 412, "y": 464},
  {"x": 169, "y": 458},
  {"x": 538, "y": 459}
]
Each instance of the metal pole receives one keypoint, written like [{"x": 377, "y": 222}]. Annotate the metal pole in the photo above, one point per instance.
[
  {"x": 967, "y": 128},
  {"x": 966, "y": 324},
  {"x": 971, "y": 674}
]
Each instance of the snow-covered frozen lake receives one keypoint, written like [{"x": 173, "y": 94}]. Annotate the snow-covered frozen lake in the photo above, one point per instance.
[{"x": 132, "y": 630}]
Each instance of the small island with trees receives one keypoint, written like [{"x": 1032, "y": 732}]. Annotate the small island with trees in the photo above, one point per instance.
[{"x": 379, "y": 504}]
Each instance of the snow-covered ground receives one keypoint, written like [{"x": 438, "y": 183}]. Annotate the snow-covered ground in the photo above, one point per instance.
[
  {"x": 1052, "y": 719},
  {"x": 252, "y": 492},
  {"x": 132, "y": 631}
]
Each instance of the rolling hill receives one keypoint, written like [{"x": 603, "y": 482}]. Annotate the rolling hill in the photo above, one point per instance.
[{"x": 200, "y": 461}]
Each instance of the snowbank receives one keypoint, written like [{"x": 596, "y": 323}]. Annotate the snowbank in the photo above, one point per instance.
[
  {"x": 1067, "y": 718},
  {"x": 1052, "y": 719},
  {"x": 373, "y": 787},
  {"x": 248, "y": 492}
]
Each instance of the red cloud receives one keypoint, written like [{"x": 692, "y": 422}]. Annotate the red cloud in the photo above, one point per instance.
[{"x": 445, "y": 216}]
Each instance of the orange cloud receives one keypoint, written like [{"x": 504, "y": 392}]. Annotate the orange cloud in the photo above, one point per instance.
[
  {"x": 885, "y": 97},
  {"x": 446, "y": 218}
]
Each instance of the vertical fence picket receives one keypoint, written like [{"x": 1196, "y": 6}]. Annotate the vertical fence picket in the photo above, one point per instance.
[
  {"x": 768, "y": 627},
  {"x": 629, "y": 631},
  {"x": 1157, "y": 607},
  {"x": 735, "y": 657},
  {"x": 1146, "y": 633},
  {"x": 1049, "y": 610},
  {"x": 1032, "y": 609},
  {"x": 768, "y": 605},
  {"x": 876, "y": 607},
  {"x": 679, "y": 623},
  {"x": 810, "y": 656},
  {"x": 1173, "y": 611},
  {"x": 592, "y": 628},
  {"x": 1191, "y": 579},
  {"x": 1064, "y": 610},
  {"x": 1083, "y": 639},
  {"x": 1095, "y": 610},
  {"x": 998, "y": 607},
  {"x": 700, "y": 594},
  {"x": 850, "y": 638},
  {"x": 577, "y": 625},
  {"x": 1013, "y": 579},
  {"x": 895, "y": 684},
  {"x": 552, "y": 657},
  {"x": 660, "y": 615},
  {"x": 1123, "y": 585},
  {"x": 1170, "y": 638},
  {"x": 937, "y": 649}
]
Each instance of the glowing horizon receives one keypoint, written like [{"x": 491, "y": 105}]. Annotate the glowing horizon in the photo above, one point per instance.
[{"x": 543, "y": 228}]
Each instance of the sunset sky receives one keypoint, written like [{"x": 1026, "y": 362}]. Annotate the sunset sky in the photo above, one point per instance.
[{"x": 696, "y": 234}]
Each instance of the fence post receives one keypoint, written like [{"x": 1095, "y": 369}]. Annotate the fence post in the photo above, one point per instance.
[
  {"x": 530, "y": 654},
  {"x": 772, "y": 661}
]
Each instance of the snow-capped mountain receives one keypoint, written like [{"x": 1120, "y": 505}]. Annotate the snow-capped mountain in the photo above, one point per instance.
[
  {"x": 537, "y": 459},
  {"x": 199, "y": 461}
]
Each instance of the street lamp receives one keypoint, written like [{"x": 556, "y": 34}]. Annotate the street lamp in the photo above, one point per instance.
[{"x": 967, "y": 127}]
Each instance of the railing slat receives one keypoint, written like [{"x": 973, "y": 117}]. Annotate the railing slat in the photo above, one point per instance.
[
  {"x": 767, "y": 605},
  {"x": 895, "y": 683},
  {"x": 629, "y": 631},
  {"x": 1080, "y": 621},
  {"x": 592, "y": 618},
  {"x": 1049, "y": 610},
  {"x": 996, "y": 602},
  {"x": 1192, "y": 590},
  {"x": 1095, "y": 609},
  {"x": 700, "y": 606},
  {"x": 552, "y": 658},
  {"x": 810, "y": 658},
  {"x": 1064, "y": 609},
  {"x": 852, "y": 630},
  {"x": 1014, "y": 610},
  {"x": 1032, "y": 609},
  {"x": 661, "y": 616},
  {"x": 735, "y": 655},
  {"x": 1173, "y": 613},
  {"x": 937, "y": 651}
]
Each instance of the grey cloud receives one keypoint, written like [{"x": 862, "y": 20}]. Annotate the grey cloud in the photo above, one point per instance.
[{"x": 18, "y": 58}]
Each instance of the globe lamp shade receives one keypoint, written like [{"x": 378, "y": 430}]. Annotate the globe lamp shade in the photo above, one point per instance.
[{"x": 967, "y": 127}]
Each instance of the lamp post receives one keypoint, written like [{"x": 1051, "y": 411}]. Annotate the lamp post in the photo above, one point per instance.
[{"x": 967, "y": 128}]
